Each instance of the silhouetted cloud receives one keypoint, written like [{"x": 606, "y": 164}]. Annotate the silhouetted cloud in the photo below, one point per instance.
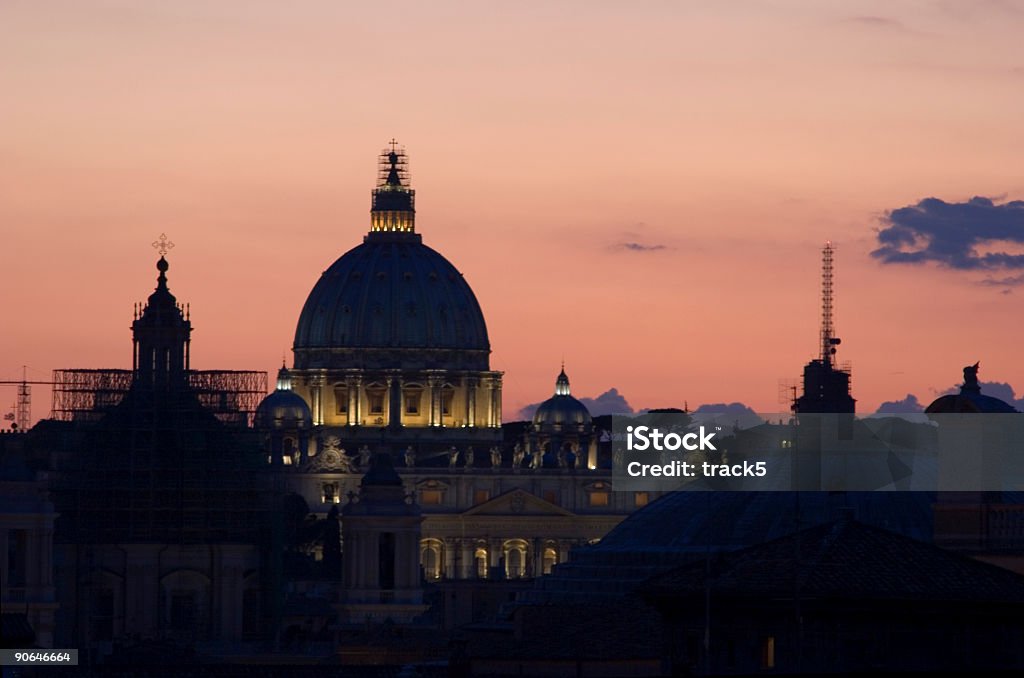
[
  {"x": 908, "y": 405},
  {"x": 609, "y": 402},
  {"x": 950, "y": 234},
  {"x": 737, "y": 413},
  {"x": 722, "y": 408},
  {"x": 638, "y": 247},
  {"x": 1010, "y": 281},
  {"x": 996, "y": 389}
]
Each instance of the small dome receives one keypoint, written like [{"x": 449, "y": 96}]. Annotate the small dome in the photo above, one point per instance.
[
  {"x": 283, "y": 408},
  {"x": 562, "y": 411},
  {"x": 969, "y": 403}
]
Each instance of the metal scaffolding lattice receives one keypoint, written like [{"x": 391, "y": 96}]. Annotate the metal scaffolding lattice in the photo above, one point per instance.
[{"x": 86, "y": 394}]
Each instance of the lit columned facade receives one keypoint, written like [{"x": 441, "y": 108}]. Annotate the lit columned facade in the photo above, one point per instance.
[
  {"x": 392, "y": 364},
  {"x": 391, "y": 346}
]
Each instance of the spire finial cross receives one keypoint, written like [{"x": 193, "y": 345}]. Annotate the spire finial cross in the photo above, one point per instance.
[
  {"x": 163, "y": 245},
  {"x": 394, "y": 144}
]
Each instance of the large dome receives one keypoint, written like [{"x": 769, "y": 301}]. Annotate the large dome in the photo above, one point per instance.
[
  {"x": 391, "y": 292},
  {"x": 392, "y": 301}
]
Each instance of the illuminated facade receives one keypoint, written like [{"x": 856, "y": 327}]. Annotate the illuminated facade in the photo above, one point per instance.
[
  {"x": 391, "y": 344},
  {"x": 391, "y": 356}
]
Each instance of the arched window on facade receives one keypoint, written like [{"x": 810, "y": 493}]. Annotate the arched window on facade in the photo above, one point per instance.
[
  {"x": 480, "y": 558},
  {"x": 515, "y": 558},
  {"x": 550, "y": 559},
  {"x": 431, "y": 557}
]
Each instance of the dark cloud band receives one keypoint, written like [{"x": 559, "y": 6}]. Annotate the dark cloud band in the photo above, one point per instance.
[{"x": 950, "y": 234}]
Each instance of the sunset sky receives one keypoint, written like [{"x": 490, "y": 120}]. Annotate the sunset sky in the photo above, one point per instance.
[{"x": 640, "y": 187}]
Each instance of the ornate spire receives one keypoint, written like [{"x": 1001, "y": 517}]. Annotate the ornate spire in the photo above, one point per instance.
[
  {"x": 161, "y": 334},
  {"x": 394, "y": 203}
]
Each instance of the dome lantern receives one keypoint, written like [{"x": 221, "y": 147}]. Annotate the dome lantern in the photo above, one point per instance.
[
  {"x": 284, "y": 379},
  {"x": 393, "y": 207},
  {"x": 562, "y": 383}
]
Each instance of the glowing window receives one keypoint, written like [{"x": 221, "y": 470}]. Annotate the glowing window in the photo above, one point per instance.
[
  {"x": 514, "y": 560},
  {"x": 430, "y": 558},
  {"x": 480, "y": 496},
  {"x": 641, "y": 499},
  {"x": 481, "y": 563},
  {"x": 600, "y": 498},
  {"x": 412, "y": 402},
  {"x": 550, "y": 560},
  {"x": 431, "y": 497}
]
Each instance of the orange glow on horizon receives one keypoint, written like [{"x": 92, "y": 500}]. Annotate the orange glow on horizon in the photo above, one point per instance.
[{"x": 643, "y": 190}]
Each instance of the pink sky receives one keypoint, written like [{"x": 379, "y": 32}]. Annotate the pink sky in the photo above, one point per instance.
[{"x": 541, "y": 136}]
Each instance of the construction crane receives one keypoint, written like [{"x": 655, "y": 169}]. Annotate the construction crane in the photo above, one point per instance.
[{"x": 22, "y": 414}]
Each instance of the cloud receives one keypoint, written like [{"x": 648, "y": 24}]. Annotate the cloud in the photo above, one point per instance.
[
  {"x": 877, "y": 22},
  {"x": 737, "y": 413},
  {"x": 638, "y": 247},
  {"x": 1010, "y": 281},
  {"x": 951, "y": 234},
  {"x": 722, "y": 408},
  {"x": 996, "y": 389},
  {"x": 908, "y": 405},
  {"x": 609, "y": 402}
]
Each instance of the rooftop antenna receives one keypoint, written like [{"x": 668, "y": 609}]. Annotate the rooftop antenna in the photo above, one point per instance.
[{"x": 828, "y": 339}]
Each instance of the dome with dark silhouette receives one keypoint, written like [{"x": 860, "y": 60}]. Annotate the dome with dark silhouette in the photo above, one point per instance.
[
  {"x": 681, "y": 527},
  {"x": 390, "y": 294},
  {"x": 970, "y": 399}
]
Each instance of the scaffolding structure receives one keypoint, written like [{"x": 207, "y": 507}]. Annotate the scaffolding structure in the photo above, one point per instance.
[{"x": 87, "y": 394}]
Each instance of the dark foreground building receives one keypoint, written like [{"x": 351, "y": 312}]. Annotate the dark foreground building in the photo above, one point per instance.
[
  {"x": 843, "y": 597},
  {"x": 163, "y": 532}
]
